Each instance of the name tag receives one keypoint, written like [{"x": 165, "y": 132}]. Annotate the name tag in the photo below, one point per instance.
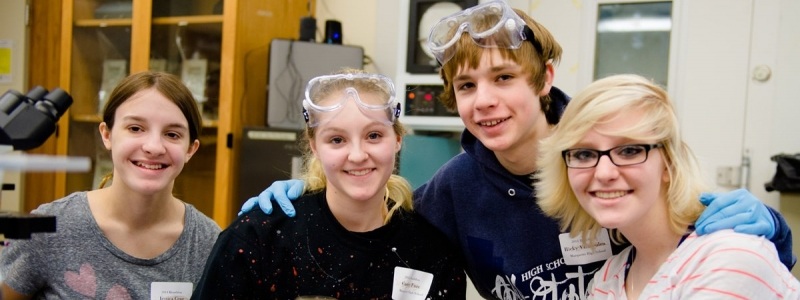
[
  {"x": 170, "y": 290},
  {"x": 575, "y": 253},
  {"x": 410, "y": 284}
]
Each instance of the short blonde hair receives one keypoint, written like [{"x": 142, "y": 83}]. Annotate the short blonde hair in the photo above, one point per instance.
[{"x": 610, "y": 98}]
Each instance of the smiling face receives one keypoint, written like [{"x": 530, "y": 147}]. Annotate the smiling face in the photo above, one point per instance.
[
  {"x": 498, "y": 106},
  {"x": 357, "y": 152},
  {"x": 620, "y": 197},
  {"x": 149, "y": 143}
]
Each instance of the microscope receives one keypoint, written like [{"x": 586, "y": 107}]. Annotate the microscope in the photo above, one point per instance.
[{"x": 26, "y": 121}]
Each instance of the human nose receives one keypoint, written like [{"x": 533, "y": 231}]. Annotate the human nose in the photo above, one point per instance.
[
  {"x": 605, "y": 169},
  {"x": 153, "y": 144},
  {"x": 357, "y": 153},
  {"x": 485, "y": 98}
]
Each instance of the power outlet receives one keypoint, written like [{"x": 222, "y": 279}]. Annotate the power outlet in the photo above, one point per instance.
[{"x": 729, "y": 176}]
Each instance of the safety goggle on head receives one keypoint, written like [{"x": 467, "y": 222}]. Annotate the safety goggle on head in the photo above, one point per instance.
[
  {"x": 491, "y": 25},
  {"x": 374, "y": 95}
]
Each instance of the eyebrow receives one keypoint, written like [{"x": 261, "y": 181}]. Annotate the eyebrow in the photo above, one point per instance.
[
  {"x": 143, "y": 120},
  {"x": 369, "y": 126},
  {"x": 493, "y": 69}
]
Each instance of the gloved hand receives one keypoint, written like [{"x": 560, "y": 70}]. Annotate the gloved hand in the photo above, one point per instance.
[
  {"x": 738, "y": 210},
  {"x": 283, "y": 192}
]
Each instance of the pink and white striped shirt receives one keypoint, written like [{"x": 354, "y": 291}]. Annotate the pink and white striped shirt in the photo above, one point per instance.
[{"x": 720, "y": 265}]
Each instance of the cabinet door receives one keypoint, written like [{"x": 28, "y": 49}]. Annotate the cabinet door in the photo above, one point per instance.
[
  {"x": 185, "y": 40},
  {"x": 711, "y": 87},
  {"x": 105, "y": 41},
  {"x": 732, "y": 115},
  {"x": 771, "y": 125},
  {"x": 96, "y": 55},
  {"x": 219, "y": 49}
]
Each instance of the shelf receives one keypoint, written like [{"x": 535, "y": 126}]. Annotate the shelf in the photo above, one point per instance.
[
  {"x": 96, "y": 118},
  {"x": 179, "y": 21},
  {"x": 453, "y": 124},
  {"x": 103, "y": 23},
  {"x": 186, "y": 20},
  {"x": 211, "y": 24}
]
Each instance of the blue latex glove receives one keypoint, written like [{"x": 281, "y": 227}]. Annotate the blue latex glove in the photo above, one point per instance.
[
  {"x": 738, "y": 210},
  {"x": 283, "y": 192}
]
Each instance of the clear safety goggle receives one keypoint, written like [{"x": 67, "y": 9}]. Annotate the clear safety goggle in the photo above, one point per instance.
[
  {"x": 491, "y": 25},
  {"x": 374, "y": 95}
]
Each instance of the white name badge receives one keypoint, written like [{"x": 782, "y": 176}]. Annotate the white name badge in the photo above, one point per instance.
[
  {"x": 575, "y": 253},
  {"x": 170, "y": 290},
  {"x": 410, "y": 284}
]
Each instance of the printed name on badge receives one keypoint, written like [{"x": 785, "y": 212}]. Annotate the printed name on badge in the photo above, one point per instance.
[
  {"x": 410, "y": 284},
  {"x": 170, "y": 290},
  {"x": 575, "y": 253}
]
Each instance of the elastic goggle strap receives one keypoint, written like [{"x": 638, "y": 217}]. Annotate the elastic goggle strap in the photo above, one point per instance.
[{"x": 491, "y": 25}]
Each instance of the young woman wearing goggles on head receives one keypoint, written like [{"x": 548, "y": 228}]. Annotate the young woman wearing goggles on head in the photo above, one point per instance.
[
  {"x": 481, "y": 199},
  {"x": 357, "y": 236}
]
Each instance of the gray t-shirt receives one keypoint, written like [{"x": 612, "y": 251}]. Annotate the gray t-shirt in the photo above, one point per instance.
[{"x": 79, "y": 262}]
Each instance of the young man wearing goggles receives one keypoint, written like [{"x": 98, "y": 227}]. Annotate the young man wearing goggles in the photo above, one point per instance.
[
  {"x": 498, "y": 75},
  {"x": 357, "y": 236}
]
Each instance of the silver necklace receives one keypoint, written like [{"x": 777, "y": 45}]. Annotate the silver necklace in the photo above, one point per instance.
[{"x": 314, "y": 259}]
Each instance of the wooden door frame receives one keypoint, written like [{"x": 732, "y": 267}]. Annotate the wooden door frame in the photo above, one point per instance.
[{"x": 44, "y": 36}]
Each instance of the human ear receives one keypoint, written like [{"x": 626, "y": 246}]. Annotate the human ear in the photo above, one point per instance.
[
  {"x": 313, "y": 146},
  {"x": 665, "y": 175},
  {"x": 399, "y": 144},
  {"x": 192, "y": 150},
  {"x": 105, "y": 135},
  {"x": 549, "y": 75}
]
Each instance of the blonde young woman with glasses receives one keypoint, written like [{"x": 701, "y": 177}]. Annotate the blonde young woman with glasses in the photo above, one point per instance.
[{"x": 617, "y": 160}]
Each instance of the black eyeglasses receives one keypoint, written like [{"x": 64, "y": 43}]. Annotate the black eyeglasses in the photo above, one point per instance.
[{"x": 624, "y": 155}]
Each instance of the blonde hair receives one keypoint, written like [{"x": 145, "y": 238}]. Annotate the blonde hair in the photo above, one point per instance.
[
  {"x": 398, "y": 189},
  {"x": 604, "y": 101},
  {"x": 467, "y": 54}
]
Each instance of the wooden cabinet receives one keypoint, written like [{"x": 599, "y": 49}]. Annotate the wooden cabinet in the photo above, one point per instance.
[{"x": 220, "y": 48}]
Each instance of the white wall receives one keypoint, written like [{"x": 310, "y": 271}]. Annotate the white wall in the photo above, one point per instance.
[
  {"x": 358, "y": 24},
  {"x": 13, "y": 30},
  {"x": 563, "y": 19}
]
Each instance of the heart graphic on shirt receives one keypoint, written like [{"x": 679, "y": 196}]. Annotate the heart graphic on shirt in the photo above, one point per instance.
[
  {"x": 84, "y": 282},
  {"x": 118, "y": 292}
]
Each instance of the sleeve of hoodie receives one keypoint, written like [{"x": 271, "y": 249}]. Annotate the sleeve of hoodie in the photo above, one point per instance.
[{"x": 783, "y": 239}]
